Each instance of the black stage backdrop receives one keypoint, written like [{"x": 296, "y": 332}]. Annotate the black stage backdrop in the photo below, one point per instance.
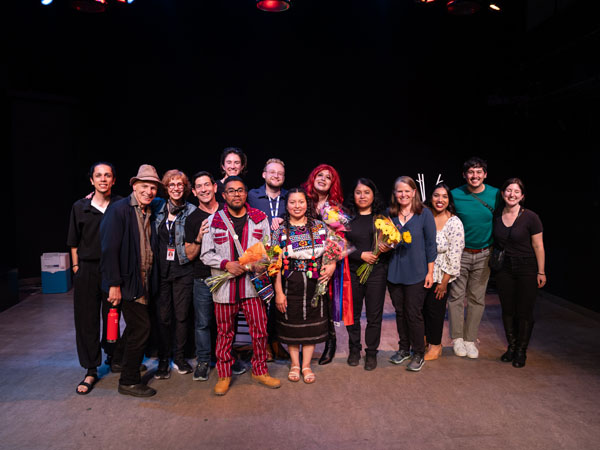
[{"x": 378, "y": 88}]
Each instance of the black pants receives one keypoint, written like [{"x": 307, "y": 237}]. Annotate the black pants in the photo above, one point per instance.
[
  {"x": 517, "y": 287},
  {"x": 134, "y": 340},
  {"x": 173, "y": 311},
  {"x": 434, "y": 311},
  {"x": 373, "y": 293},
  {"x": 88, "y": 302},
  {"x": 408, "y": 302}
]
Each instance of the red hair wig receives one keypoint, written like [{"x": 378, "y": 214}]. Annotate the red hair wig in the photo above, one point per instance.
[{"x": 335, "y": 192}]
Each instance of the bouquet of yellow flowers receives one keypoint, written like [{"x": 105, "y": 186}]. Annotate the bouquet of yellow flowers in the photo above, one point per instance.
[{"x": 388, "y": 234}]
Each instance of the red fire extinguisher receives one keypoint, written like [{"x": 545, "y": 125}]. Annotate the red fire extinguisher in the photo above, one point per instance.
[{"x": 112, "y": 326}]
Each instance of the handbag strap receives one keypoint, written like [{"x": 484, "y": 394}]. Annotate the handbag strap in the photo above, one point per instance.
[
  {"x": 483, "y": 203},
  {"x": 513, "y": 224},
  {"x": 236, "y": 240}
]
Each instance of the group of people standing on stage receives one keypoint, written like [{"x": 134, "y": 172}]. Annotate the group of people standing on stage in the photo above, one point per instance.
[{"x": 150, "y": 257}]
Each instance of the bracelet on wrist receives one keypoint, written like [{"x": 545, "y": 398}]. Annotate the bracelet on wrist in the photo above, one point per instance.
[
  {"x": 539, "y": 273},
  {"x": 197, "y": 242}
]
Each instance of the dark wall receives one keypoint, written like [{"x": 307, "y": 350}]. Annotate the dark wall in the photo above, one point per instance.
[{"x": 377, "y": 89}]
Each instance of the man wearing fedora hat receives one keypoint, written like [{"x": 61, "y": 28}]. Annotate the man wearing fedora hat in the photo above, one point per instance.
[{"x": 128, "y": 248}]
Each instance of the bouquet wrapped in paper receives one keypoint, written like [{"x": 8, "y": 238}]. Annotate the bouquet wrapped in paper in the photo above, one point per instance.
[
  {"x": 336, "y": 249},
  {"x": 387, "y": 233},
  {"x": 334, "y": 217},
  {"x": 261, "y": 260}
]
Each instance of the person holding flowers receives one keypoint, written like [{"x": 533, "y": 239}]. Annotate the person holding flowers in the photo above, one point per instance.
[
  {"x": 324, "y": 188},
  {"x": 410, "y": 271},
  {"x": 450, "y": 239},
  {"x": 365, "y": 205},
  {"x": 233, "y": 230},
  {"x": 299, "y": 320}
]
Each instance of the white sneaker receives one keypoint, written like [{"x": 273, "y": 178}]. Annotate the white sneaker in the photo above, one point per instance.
[
  {"x": 459, "y": 347},
  {"x": 472, "y": 351}
]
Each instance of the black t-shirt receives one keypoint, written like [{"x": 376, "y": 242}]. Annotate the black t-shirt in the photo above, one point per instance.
[
  {"x": 523, "y": 228},
  {"x": 238, "y": 227},
  {"x": 193, "y": 222},
  {"x": 362, "y": 236},
  {"x": 84, "y": 229},
  {"x": 169, "y": 269}
]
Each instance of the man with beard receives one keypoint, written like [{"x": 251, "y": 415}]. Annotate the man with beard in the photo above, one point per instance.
[
  {"x": 270, "y": 197},
  {"x": 475, "y": 203},
  {"x": 88, "y": 298},
  {"x": 232, "y": 230},
  {"x": 129, "y": 245}
]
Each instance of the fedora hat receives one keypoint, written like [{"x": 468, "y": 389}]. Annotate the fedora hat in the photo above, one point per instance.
[{"x": 146, "y": 172}]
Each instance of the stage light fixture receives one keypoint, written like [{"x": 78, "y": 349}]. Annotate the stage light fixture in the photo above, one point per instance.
[
  {"x": 46, "y": 2},
  {"x": 495, "y": 7},
  {"x": 463, "y": 7},
  {"x": 89, "y": 6},
  {"x": 425, "y": 1},
  {"x": 273, "y": 5}
]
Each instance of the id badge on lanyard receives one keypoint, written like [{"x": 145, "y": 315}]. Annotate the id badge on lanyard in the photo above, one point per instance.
[{"x": 171, "y": 246}]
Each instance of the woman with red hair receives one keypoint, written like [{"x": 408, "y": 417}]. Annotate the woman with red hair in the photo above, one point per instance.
[{"x": 323, "y": 186}]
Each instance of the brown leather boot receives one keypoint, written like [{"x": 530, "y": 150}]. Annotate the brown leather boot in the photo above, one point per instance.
[
  {"x": 267, "y": 380},
  {"x": 222, "y": 386}
]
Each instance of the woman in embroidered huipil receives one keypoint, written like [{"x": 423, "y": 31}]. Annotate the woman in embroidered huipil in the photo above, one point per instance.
[
  {"x": 324, "y": 186},
  {"x": 299, "y": 322},
  {"x": 450, "y": 240}
]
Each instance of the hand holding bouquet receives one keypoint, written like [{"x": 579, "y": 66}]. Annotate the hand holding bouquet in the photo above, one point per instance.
[
  {"x": 334, "y": 217},
  {"x": 386, "y": 233},
  {"x": 253, "y": 259},
  {"x": 336, "y": 248}
]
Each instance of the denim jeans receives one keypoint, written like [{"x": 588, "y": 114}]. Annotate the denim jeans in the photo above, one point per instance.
[{"x": 204, "y": 310}]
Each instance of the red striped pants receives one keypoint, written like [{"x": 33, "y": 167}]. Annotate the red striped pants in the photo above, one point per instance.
[{"x": 256, "y": 316}]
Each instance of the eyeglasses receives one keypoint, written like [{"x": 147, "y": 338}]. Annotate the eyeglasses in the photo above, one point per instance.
[
  {"x": 239, "y": 191},
  {"x": 174, "y": 186},
  {"x": 274, "y": 173}
]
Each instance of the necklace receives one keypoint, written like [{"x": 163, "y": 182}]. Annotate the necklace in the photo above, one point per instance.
[{"x": 405, "y": 216}]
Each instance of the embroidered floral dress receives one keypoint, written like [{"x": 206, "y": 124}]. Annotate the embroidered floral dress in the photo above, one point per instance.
[{"x": 301, "y": 324}]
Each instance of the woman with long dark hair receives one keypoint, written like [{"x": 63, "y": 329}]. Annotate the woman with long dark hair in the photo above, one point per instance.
[
  {"x": 450, "y": 240},
  {"x": 324, "y": 186},
  {"x": 518, "y": 231},
  {"x": 410, "y": 271},
  {"x": 298, "y": 321},
  {"x": 364, "y": 204}
]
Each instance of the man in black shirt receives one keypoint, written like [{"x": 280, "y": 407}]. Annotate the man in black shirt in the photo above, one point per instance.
[
  {"x": 196, "y": 226},
  {"x": 88, "y": 298}
]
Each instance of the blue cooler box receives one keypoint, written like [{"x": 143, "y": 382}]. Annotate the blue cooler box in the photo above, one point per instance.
[{"x": 56, "y": 273}]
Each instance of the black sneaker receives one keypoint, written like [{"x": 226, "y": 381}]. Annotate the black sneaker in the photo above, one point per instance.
[
  {"x": 201, "y": 372},
  {"x": 400, "y": 356},
  {"x": 354, "y": 357},
  {"x": 416, "y": 363},
  {"x": 182, "y": 366},
  {"x": 164, "y": 370},
  {"x": 238, "y": 367},
  {"x": 370, "y": 361}
]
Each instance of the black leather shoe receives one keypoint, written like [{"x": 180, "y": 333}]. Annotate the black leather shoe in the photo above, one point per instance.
[
  {"x": 508, "y": 355},
  {"x": 137, "y": 390},
  {"x": 354, "y": 357},
  {"x": 328, "y": 352},
  {"x": 370, "y": 361}
]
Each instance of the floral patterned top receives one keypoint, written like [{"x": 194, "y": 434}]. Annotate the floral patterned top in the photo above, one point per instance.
[
  {"x": 450, "y": 242},
  {"x": 298, "y": 243}
]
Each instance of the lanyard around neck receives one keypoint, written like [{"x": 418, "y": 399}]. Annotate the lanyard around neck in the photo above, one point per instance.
[{"x": 274, "y": 213}]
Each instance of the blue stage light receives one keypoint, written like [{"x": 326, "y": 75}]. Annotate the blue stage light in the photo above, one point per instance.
[{"x": 46, "y": 2}]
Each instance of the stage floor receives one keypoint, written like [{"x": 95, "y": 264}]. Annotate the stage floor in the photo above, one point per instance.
[{"x": 453, "y": 403}]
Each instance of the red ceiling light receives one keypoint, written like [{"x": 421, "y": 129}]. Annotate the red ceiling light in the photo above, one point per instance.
[
  {"x": 89, "y": 6},
  {"x": 273, "y": 5},
  {"x": 463, "y": 7}
]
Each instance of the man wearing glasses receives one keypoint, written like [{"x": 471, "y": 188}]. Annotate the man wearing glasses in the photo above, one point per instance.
[
  {"x": 231, "y": 231},
  {"x": 270, "y": 197}
]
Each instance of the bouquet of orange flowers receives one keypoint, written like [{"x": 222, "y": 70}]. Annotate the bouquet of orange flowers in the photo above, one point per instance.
[
  {"x": 253, "y": 258},
  {"x": 388, "y": 234}
]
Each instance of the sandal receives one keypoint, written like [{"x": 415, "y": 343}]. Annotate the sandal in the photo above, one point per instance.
[
  {"x": 89, "y": 386},
  {"x": 294, "y": 374},
  {"x": 309, "y": 378}
]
